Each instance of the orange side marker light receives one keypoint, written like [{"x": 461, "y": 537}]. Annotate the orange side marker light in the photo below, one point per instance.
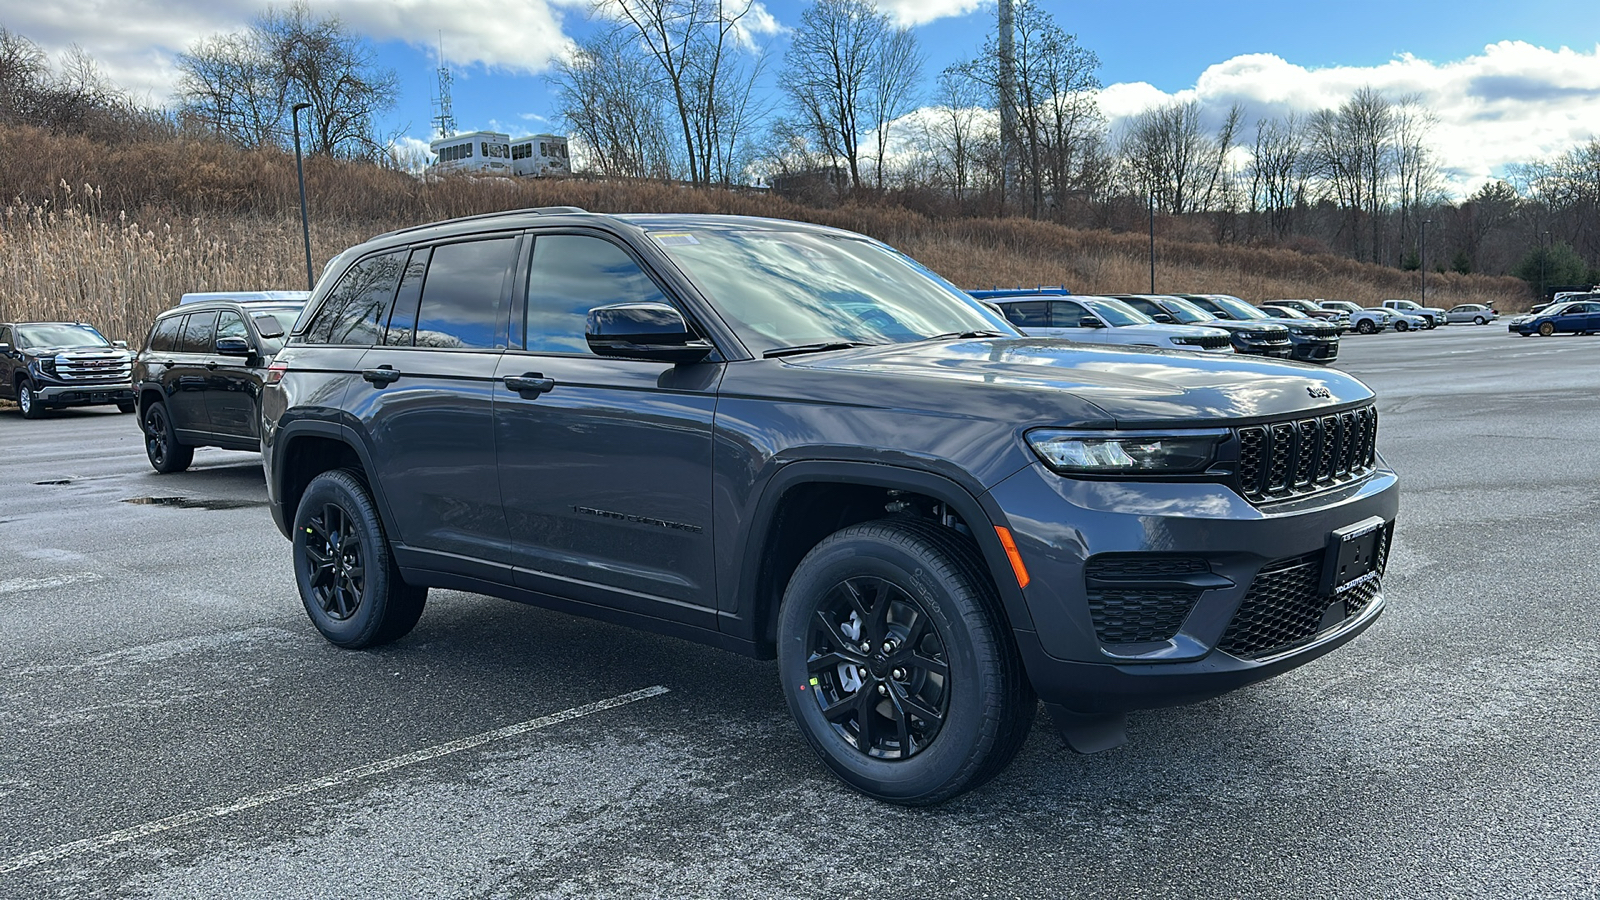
[{"x": 1017, "y": 568}]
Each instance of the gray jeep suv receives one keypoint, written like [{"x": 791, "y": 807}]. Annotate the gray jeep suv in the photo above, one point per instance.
[{"x": 791, "y": 441}]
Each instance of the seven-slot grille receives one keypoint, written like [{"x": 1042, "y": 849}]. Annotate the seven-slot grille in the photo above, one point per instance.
[
  {"x": 93, "y": 368},
  {"x": 1300, "y": 456},
  {"x": 1207, "y": 341}
]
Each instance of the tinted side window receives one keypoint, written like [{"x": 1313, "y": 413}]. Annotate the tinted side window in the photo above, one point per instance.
[
  {"x": 462, "y": 296},
  {"x": 164, "y": 334},
  {"x": 357, "y": 307},
  {"x": 403, "y": 321},
  {"x": 5, "y": 334},
  {"x": 1065, "y": 314},
  {"x": 1028, "y": 314},
  {"x": 572, "y": 274},
  {"x": 199, "y": 334},
  {"x": 230, "y": 325}
]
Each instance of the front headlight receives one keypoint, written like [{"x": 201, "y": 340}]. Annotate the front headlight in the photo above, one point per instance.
[
  {"x": 47, "y": 365},
  {"x": 1126, "y": 452}
]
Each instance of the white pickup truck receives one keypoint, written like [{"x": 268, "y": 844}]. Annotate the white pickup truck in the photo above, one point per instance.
[{"x": 1433, "y": 314}]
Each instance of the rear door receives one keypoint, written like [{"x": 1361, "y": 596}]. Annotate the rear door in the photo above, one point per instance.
[
  {"x": 606, "y": 464},
  {"x": 184, "y": 382},
  {"x": 427, "y": 393},
  {"x": 8, "y": 363}
]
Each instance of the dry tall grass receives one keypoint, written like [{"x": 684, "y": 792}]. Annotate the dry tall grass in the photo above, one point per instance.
[{"x": 193, "y": 216}]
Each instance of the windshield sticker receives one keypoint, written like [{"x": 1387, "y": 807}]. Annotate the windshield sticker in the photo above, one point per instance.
[{"x": 675, "y": 240}]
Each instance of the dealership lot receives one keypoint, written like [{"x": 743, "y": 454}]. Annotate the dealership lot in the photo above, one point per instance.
[{"x": 172, "y": 726}]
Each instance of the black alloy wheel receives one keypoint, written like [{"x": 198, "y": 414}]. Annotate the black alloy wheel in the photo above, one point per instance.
[
  {"x": 28, "y": 401},
  {"x": 167, "y": 455},
  {"x": 881, "y": 670},
  {"x": 348, "y": 581},
  {"x": 338, "y": 575},
  {"x": 897, "y": 662}
]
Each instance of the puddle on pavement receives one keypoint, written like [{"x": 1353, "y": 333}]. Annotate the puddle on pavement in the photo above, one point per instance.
[
  {"x": 57, "y": 481},
  {"x": 194, "y": 502}
]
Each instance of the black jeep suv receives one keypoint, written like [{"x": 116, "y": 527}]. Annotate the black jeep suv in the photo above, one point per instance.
[
  {"x": 792, "y": 441},
  {"x": 44, "y": 365},
  {"x": 199, "y": 377}
]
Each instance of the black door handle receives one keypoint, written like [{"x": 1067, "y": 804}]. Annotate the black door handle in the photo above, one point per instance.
[
  {"x": 381, "y": 376},
  {"x": 211, "y": 365},
  {"x": 164, "y": 362},
  {"x": 530, "y": 384}
]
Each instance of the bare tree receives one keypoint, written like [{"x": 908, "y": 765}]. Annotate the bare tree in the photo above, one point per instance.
[
  {"x": 337, "y": 73},
  {"x": 1171, "y": 158},
  {"x": 694, "y": 44},
  {"x": 233, "y": 86},
  {"x": 612, "y": 99},
  {"x": 850, "y": 72},
  {"x": 960, "y": 124},
  {"x": 1277, "y": 173},
  {"x": 1416, "y": 173},
  {"x": 1349, "y": 150},
  {"x": 1058, "y": 119}
]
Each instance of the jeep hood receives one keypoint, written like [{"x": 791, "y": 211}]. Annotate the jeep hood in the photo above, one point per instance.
[{"x": 1132, "y": 385}]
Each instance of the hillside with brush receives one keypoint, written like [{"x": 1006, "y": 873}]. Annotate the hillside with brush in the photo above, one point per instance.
[{"x": 113, "y": 234}]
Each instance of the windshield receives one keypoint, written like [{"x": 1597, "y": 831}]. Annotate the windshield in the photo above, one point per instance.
[
  {"x": 1186, "y": 312},
  {"x": 1289, "y": 312},
  {"x": 285, "y": 319},
  {"x": 42, "y": 336},
  {"x": 781, "y": 289},
  {"x": 1115, "y": 312},
  {"x": 1238, "y": 308}
]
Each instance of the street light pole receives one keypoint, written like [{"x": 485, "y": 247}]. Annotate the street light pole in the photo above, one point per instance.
[
  {"x": 1152, "y": 242},
  {"x": 300, "y": 169},
  {"x": 1424, "y": 261},
  {"x": 1543, "y": 255}
]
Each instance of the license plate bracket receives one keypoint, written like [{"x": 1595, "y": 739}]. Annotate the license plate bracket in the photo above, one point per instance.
[{"x": 1352, "y": 556}]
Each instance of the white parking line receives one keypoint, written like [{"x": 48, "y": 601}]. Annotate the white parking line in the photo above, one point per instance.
[
  {"x": 19, "y": 585},
  {"x": 89, "y": 845}
]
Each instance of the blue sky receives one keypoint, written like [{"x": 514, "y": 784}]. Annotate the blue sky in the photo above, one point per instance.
[{"x": 1508, "y": 82}]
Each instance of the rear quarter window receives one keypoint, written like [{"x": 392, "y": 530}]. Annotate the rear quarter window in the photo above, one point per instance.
[{"x": 355, "y": 311}]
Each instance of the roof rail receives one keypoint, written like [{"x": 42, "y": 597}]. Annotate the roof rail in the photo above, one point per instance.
[{"x": 533, "y": 211}]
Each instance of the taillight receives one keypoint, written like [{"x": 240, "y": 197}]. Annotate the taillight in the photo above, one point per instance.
[{"x": 275, "y": 372}]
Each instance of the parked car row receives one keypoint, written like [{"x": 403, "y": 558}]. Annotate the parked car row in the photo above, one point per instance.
[{"x": 793, "y": 442}]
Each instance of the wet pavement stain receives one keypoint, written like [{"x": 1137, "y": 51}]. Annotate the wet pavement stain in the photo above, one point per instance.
[
  {"x": 57, "y": 481},
  {"x": 194, "y": 502}
]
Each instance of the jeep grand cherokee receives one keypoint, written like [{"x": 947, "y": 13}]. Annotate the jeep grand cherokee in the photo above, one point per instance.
[{"x": 791, "y": 441}]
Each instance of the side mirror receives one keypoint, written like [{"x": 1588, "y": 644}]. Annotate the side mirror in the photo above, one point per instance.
[
  {"x": 268, "y": 327},
  {"x": 120, "y": 345},
  {"x": 1163, "y": 318},
  {"x": 233, "y": 346},
  {"x": 1089, "y": 322},
  {"x": 652, "y": 331},
  {"x": 5, "y": 348}
]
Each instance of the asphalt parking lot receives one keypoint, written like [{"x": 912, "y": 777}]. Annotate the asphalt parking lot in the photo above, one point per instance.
[{"x": 172, "y": 726}]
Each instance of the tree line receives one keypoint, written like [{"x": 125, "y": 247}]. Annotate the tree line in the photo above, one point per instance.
[{"x": 672, "y": 89}]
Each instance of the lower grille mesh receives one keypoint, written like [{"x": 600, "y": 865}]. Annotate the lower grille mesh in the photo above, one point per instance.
[{"x": 1285, "y": 606}]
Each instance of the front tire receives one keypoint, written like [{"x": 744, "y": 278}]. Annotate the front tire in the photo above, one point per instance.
[
  {"x": 1366, "y": 326},
  {"x": 1480, "y": 320},
  {"x": 161, "y": 445},
  {"x": 898, "y": 665},
  {"x": 348, "y": 581},
  {"x": 1402, "y": 325},
  {"x": 1546, "y": 329},
  {"x": 28, "y": 401}
]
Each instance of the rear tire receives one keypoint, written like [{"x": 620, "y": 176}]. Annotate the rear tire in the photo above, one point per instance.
[
  {"x": 166, "y": 454},
  {"x": 1480, "y": 320},
  {"x": 28, "y": 401},
  {"x": 898, "y": 665},
  {"x": 348, "y": 581}
]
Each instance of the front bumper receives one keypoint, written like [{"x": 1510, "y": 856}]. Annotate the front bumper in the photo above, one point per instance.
[
  {"x": 1093, "y": 651},
  {"x": 1310, "y": 349},
  {"x": 83, "y": 394}
]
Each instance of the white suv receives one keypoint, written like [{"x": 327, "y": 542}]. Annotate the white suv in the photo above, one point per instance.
[{"x": 1100, "y": 320}]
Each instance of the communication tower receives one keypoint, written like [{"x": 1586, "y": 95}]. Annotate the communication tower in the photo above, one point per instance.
[{"x": 444, "y": 120}]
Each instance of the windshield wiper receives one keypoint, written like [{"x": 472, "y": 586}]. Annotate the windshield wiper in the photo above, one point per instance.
[
  {"x": 965, "y": 334},
  {"x": 816, "y": 348}
]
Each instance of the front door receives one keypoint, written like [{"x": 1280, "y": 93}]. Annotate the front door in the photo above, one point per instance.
[
  {"x": 605, "y": 464},
  {"x": 234, "y": 384},
  {"x": 185, "y": 381}
]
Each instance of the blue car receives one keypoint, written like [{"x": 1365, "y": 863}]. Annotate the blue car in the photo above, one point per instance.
[{"x": 1580, "y": 317}]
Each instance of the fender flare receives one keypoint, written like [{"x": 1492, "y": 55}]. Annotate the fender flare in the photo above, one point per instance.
[
  {"x": 284, "y": 439},
  {"x": 975, "y": 507}
]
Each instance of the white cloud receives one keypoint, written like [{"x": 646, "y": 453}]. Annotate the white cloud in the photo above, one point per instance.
[
  {"x": 921, "y": 12},
  {"x": 1513, "y": 103},
  {"x": 135, "y": 41}
]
